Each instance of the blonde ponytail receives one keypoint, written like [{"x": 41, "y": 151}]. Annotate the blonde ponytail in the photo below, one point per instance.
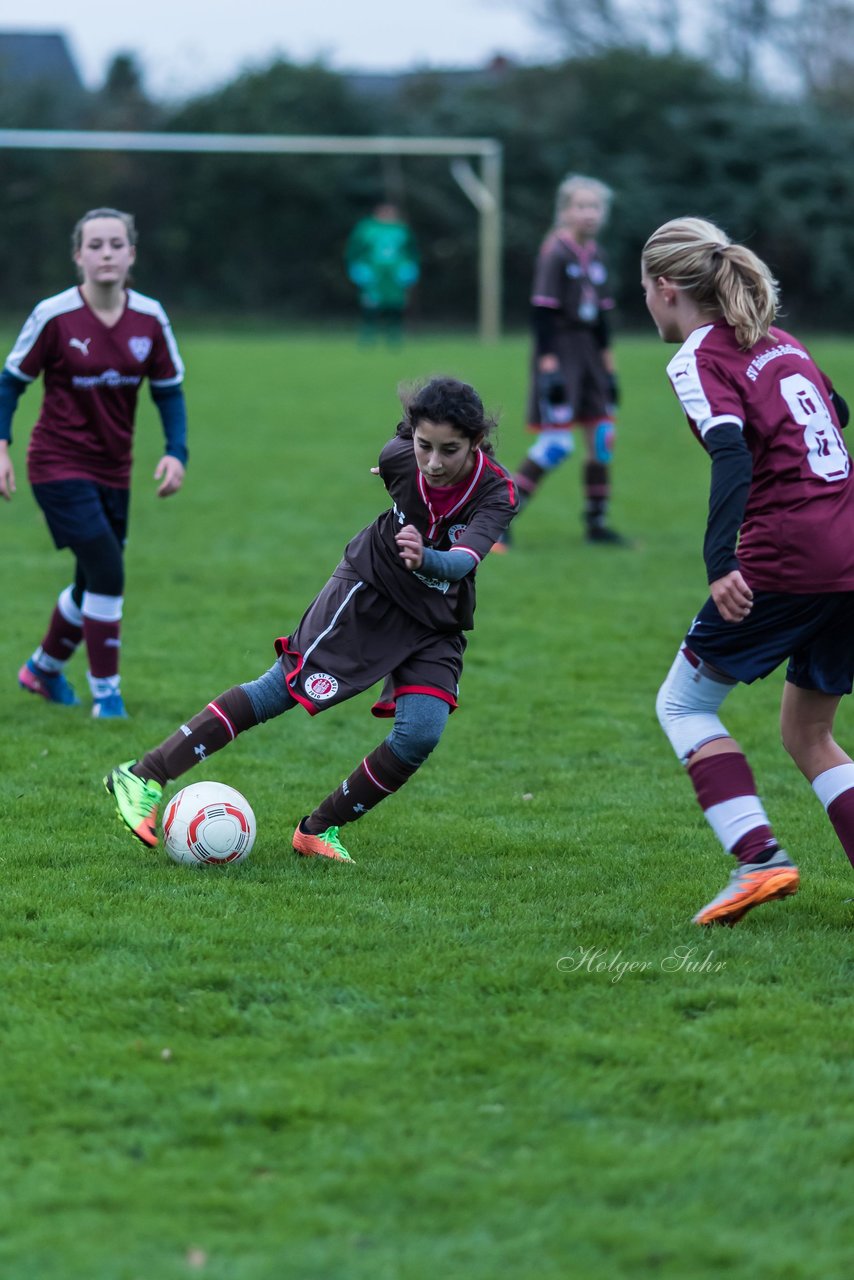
[{"x": 719, "y": 275}]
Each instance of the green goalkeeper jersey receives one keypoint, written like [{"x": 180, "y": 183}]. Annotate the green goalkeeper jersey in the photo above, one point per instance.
[{"x": 382, "y": 261}]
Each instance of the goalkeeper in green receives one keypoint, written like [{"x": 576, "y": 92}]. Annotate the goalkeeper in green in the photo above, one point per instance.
[{"x": 382, "y": 262}]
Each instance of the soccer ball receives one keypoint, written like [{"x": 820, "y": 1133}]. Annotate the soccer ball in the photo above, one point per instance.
[{"x": 209, "y": 823}]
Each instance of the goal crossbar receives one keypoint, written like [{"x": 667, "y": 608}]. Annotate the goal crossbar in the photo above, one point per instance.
[{"x": 484, "y": 194}]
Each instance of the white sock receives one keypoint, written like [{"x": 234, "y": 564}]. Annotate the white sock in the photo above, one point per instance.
[
  {"x": 833, "y": 782},
  {"x": 103, "y": 686},
  {"x": 46, "y": 663}
]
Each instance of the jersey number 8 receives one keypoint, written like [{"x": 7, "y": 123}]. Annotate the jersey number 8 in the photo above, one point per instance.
[{"x": 826, "y": 452}]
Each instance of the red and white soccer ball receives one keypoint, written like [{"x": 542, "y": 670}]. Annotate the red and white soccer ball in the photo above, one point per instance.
[{"x": 208, "y": 823}]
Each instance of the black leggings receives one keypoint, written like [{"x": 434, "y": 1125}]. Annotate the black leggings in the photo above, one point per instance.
[{"x": 99, "y": 567}]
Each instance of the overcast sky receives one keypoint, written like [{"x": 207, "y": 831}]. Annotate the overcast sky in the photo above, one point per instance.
[{"x": 188, "y": 45}]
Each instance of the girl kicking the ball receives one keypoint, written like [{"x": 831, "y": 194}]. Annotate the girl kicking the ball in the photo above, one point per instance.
[{"x": 395, "y": 609}]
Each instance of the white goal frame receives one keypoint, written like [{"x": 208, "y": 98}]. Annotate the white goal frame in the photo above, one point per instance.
[{"x": 483, "y": 189}]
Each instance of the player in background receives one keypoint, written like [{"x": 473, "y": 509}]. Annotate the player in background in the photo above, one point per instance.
[
  {"x": 395, "y": 609},
  {"x": 94, "y": 344},
  {"x": 382, "y": 262},
  {"x": 778, "y": 549},
  {"x": 573, "y": 382}
]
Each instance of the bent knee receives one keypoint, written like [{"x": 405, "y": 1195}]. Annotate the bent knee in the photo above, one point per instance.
[
  {"x": 269, "y": 695},
  {"x": 419, "y": 722},
  {"x": 551, "y": 448},
  {"x": 801, "y": 741},
  {"x": 687, "y": 705},
  {"x": 604, "y": 438}
]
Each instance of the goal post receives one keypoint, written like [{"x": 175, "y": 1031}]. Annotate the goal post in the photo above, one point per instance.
[{"x": 483, "y": 189}]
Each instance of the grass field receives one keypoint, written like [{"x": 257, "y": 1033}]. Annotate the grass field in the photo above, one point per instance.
[{"x": 416, "y": 1067}]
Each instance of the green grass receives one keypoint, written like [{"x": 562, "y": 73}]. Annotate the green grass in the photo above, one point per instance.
[{"x": 381, "y": 1072}]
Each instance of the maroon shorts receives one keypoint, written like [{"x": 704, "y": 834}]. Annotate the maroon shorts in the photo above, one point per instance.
[{"x": 352, "y": 636}]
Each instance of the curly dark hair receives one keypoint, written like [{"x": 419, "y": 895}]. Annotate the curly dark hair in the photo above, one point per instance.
[{"x": 446, "y": 400}]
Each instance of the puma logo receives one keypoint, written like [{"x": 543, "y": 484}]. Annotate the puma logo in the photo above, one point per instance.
[{"x": 82, "y": 344}]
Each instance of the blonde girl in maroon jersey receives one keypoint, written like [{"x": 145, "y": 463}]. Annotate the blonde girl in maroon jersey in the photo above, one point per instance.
[{"x": 778, "y": 549}]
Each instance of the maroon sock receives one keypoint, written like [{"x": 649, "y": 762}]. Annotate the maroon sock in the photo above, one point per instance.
[
  {"x": 380, "y": 774},
  {"x": 62, "y": 637},
  {"x": 103, "y": 640},
  {"x": 757, "y": 846},
  {"x": 841, "y": 814},
  {"x": 727, "y": 779},
  {"x": 213, "y": 728}
]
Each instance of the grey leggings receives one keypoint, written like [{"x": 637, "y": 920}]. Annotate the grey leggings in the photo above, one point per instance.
[{"x": 418, "y": 721}]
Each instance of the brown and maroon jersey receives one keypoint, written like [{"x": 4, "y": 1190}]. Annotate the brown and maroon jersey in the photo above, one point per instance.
[
  {"x": 470, "y": 518},
  {"x": 571, "y": 279},
  {"x": 92, "y": 375},
  {"x": 797, "y": 534}
]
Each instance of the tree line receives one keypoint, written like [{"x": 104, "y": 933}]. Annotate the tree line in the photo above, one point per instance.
[{"x": 264, "y": 236}]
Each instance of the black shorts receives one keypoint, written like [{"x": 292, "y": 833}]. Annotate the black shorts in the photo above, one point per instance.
[
  {"x": 587, "y": 385},
  {"x": 351, "y": 636},
  {"x": 77, "y": 511},
  {"x": 814, "y": 632}
]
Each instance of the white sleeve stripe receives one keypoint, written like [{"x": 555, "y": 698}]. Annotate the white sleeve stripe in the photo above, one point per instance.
[
  {"x": 684, "y": 375},
  {"x": 146, "y": 306},
  {"x": 17, "y": 373},
  {"x": 42, "y": 314},
  {"x": 467, "y": 551},
  {"x": 151, "y": 307},
  {"x": 717, "y": 422},
  {"x": 173, "y": 351},
  {"x": 167, "y": 382}
]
